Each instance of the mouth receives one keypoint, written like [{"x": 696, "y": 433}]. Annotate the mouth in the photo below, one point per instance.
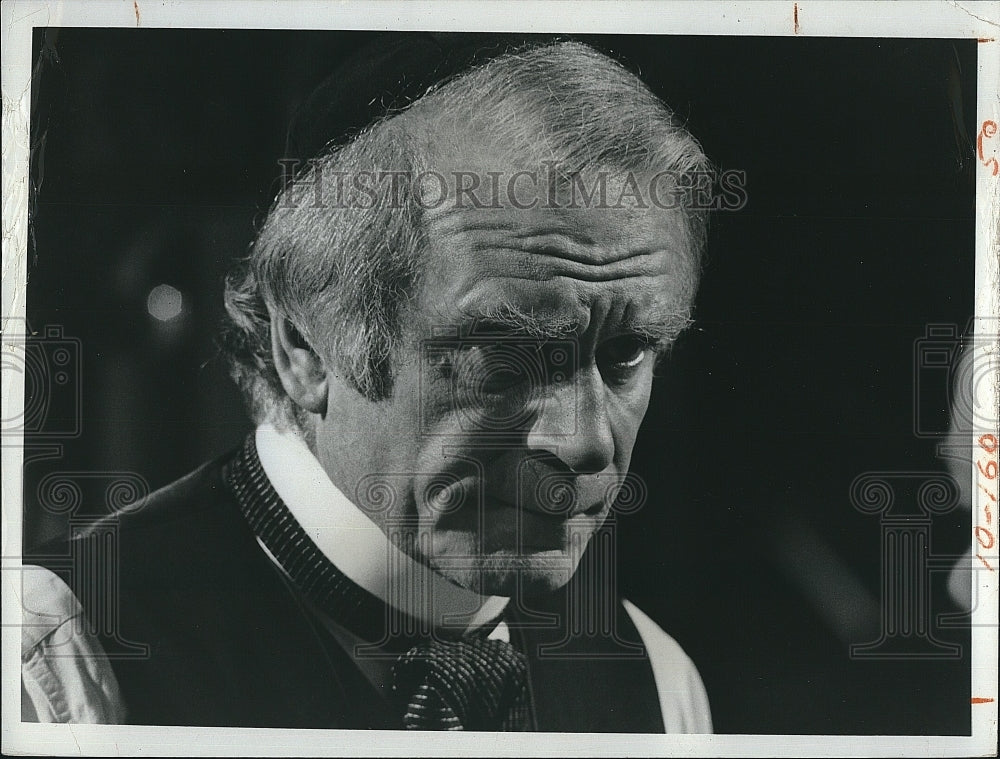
[
  {"x": 534, "y": 530},
  {"x": 504, "y": 526},
  {"x": 560, "y": 514}
]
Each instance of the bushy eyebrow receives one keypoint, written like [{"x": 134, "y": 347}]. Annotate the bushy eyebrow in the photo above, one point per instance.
[
  {"x": 659, "y": 327},
  {"x": 506, "y": 319}
]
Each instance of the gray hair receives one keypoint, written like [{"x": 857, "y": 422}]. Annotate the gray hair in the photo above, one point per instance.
[{"x": 340, "y": 263}]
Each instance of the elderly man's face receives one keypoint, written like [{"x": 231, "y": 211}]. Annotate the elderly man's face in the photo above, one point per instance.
[{"x": 525, "y": 375}]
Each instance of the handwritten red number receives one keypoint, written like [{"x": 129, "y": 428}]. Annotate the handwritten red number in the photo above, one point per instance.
[
  {"x": 987, "y": 442},
  {"x": 989, "y": 129},
  {"x": 987, "y": 541}
]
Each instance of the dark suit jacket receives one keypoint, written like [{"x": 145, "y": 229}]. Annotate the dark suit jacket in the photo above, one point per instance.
[{"x": 201, "y": 629}]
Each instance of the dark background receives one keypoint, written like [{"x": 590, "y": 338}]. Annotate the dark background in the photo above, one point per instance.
[{"x": 155, "y": 152}]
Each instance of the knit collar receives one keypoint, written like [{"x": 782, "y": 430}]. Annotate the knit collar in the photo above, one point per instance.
[{"x": 337, "y": 557}]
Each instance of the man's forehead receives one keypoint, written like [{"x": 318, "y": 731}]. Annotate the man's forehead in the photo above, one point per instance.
[
  {"x": 466, "y": 171},
  {"x": 505, "y": 229},
  {"x": 596, "y": 234},
  {"x": 556, "y": 264}
]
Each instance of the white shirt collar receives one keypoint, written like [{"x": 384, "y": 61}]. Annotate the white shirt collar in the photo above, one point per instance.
[{"x": 356, "y": 545}]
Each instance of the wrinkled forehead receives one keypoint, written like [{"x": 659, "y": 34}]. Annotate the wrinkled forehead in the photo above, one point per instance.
[
  {"x": 596, "y": 232},
  {"x": 609, "y": 205},
  {"x": 569, "y": 262}
]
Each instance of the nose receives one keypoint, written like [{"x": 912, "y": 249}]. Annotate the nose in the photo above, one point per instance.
[{"x": 573, "y": 424}]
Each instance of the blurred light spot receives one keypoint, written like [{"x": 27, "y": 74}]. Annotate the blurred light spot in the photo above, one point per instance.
[{"x": 164, "y": 302}]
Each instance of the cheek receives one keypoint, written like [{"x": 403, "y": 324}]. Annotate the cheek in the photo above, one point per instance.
[
  {"x": 372, "y": 447},
  {"x": 428, "y": 435},
  {"x": 626, "y": 411},
  {"x": 457, "y": 413},
  {"x": 361, "y": 455}
]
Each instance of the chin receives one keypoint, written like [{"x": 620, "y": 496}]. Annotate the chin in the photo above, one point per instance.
[{"x": 512, "y": 574}]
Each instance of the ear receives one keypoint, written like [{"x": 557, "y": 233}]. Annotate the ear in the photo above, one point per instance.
[{"x": 301, "y": 370}]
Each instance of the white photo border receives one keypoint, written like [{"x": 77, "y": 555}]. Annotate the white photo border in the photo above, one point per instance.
[{"x": 938, "y": 19}]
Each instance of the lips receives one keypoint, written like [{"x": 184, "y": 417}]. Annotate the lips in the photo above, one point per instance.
[
  {"x": 556, "y": 513},
  {"x": 470, "y": 516},
  {"x": 552, "y": 497},
  {"x": 507, "y": 526}
]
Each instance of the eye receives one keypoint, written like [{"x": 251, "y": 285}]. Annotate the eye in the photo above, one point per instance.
[
  {"x": 495, "y": 368},
  {"x": 620, "y": 357}
]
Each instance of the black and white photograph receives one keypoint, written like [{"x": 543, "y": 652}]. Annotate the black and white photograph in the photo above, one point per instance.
[{"x": 623, "y": 374}]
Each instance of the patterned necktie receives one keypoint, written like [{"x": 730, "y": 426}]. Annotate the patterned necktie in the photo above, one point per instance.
[{"x": 464, "y": 685}]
